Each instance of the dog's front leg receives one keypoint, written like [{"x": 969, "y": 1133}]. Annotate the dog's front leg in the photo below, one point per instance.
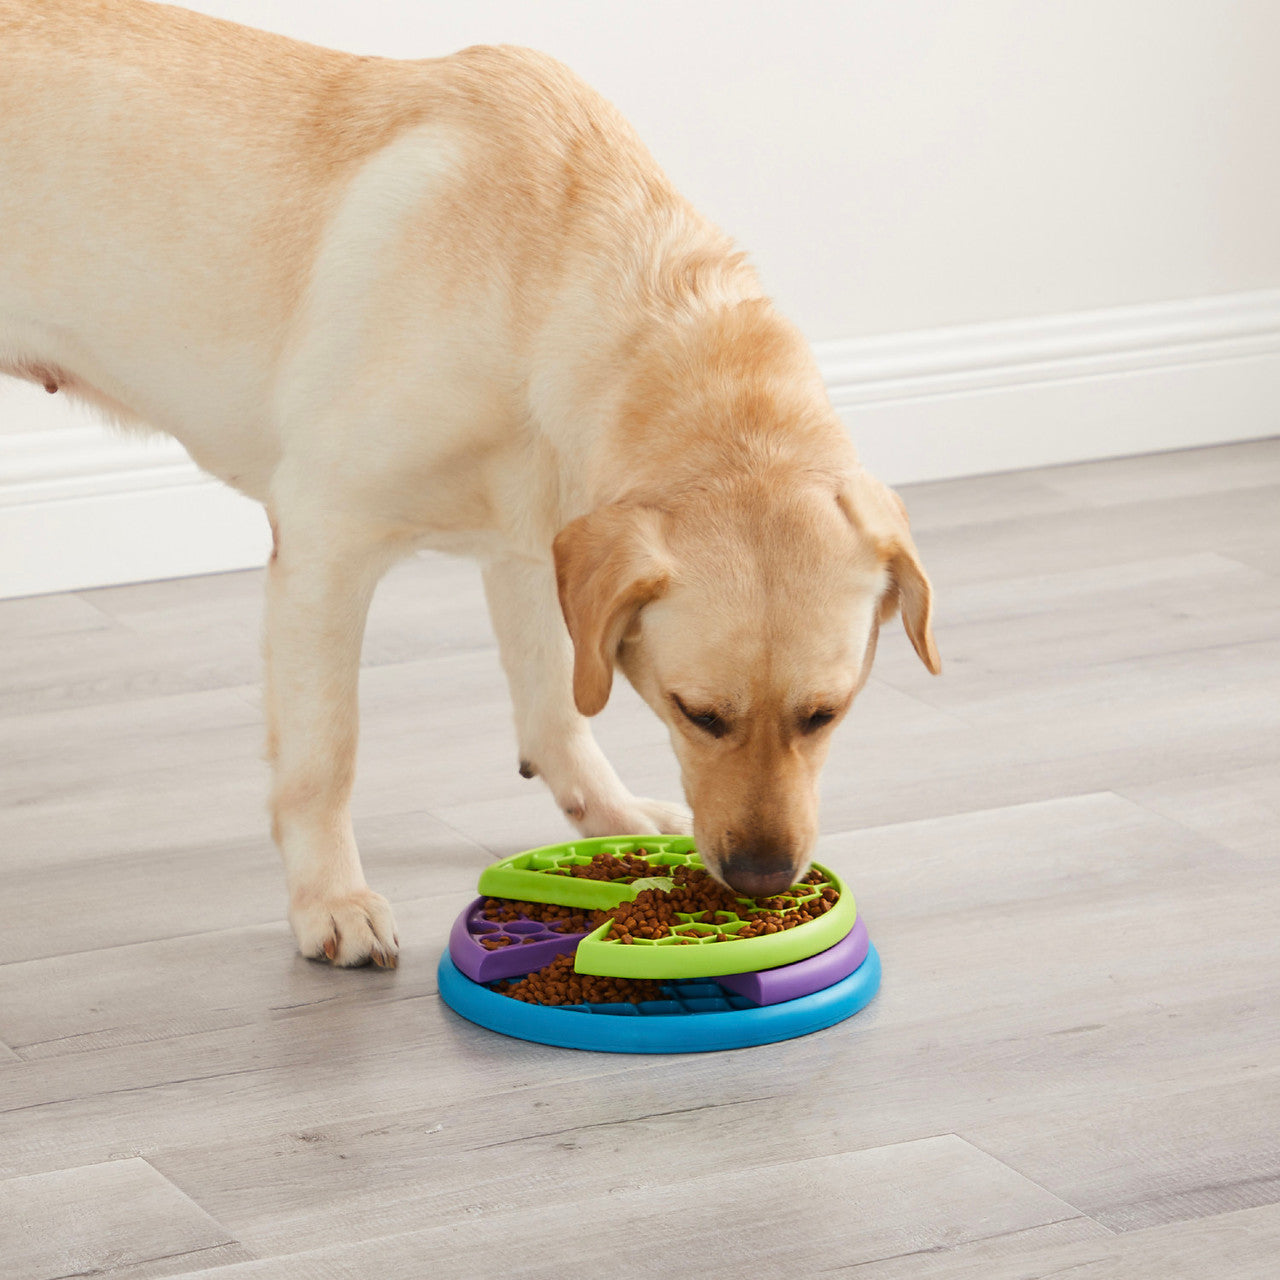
[
  {"x": 319, "y": 584},
  {"x": 556, "y": 742}
]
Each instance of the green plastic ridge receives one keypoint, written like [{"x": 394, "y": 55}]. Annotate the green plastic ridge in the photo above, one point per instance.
[{"x": 535, "y": 875}]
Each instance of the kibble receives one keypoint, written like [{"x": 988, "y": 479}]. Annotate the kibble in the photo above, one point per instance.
[
  {"x": 562, "y": 919},
  {"x": 557, "y": 984},
  {"x": 695, "y": 893},
  {"x": 623, "y": 868}
]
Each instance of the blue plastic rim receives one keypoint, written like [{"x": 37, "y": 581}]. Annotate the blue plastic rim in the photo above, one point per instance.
[{"x": 698, "y": 1016}]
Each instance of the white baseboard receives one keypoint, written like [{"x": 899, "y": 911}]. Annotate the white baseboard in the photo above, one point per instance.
[
  {"x": 941, "y": 403},
  {"x": 81, "y": 507}
]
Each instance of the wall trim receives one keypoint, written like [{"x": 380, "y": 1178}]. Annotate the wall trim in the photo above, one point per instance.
[
  {"x": 83, "y": 506},
  {"x": 78, "y": 462},
  {"x": 1011, "y": 353},
  {"x": 86, "y": 506},
  {"x": 1046, "y": 390}
]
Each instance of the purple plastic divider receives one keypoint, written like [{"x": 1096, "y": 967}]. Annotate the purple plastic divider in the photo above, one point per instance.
[
  {"x": 804, "y": 977},
  {"x": 533, "y": 944}
]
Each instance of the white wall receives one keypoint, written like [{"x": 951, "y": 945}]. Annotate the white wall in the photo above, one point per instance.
[
  {"x": 905, "y": 164},
  {"x": 896, "y": 167}
]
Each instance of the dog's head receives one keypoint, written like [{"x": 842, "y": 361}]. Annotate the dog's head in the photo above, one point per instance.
[{"x": 747, "y": 617}]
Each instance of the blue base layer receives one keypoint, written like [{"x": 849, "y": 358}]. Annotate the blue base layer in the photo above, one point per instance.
[{"x": 697, "y": 1017}]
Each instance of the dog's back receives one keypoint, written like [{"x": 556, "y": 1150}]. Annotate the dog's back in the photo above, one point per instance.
[
  {"x": 210, "y": 228},
  {"x": 159, "y": 218}
]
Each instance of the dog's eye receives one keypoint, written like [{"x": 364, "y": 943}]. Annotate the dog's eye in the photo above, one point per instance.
[
  {"x": 818, "y": 720},
  {"x": 707, "y": 721}
]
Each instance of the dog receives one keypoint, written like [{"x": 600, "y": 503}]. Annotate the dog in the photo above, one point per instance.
[{"x": 454, "y": 303}]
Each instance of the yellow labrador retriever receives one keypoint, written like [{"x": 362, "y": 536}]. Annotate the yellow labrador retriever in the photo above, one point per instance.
[{"x": 454, "y": 303}]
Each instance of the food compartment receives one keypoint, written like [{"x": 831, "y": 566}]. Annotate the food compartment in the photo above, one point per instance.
[{"x": 490, "y": 950}]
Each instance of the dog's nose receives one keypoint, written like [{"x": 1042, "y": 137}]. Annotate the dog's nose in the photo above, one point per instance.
[{"x": 757, "y": 874}]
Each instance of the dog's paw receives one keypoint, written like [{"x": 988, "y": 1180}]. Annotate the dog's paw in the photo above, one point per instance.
[
  {"x": 349, "y": 930},
  {"x": 634, "y": 816}
]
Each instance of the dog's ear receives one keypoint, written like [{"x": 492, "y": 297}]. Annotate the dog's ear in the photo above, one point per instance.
[
  {"x": 880, "y": 515},
  {"x": 609, "y": 564}
]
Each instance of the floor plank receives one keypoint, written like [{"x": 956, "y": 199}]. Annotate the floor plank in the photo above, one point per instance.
[
  {"x": 999, "y": 546},
  {"x": 220, "y": 886},
  {"x": 803, "y": 1216},
  {"x": 1131, "y": 1165},
  {"x": 103, "y": 1219},
  {"x": 1239, "y": 808},
  {"x": 1183, "y": 473},
  {"x": 43, "y": 617},
  {"x": 1233, "y": 1246}
]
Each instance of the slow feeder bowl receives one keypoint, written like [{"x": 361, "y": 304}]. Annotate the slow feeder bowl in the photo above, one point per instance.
[{"x": 714, "y": 994}]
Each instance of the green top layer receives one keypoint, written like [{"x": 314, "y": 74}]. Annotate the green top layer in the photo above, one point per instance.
[
  {"x": 542, "y": 875},
  {"x": 693, "y": 949}
]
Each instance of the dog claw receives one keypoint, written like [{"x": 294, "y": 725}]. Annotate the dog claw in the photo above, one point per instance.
[{"x": 347, "y": 931}]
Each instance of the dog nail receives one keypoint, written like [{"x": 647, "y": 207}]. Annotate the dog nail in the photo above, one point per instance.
[
  {"x": 330, "y": 948},
  {"x": 527, "y": 770}
]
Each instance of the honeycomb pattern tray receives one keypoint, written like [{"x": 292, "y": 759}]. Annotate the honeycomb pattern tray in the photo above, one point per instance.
[
  {"x": 695, "y": 1016},
  {"x": 694, "y": 949},
  {"x": 541, "y": 875},
  {"x": 531, "y": 944}
]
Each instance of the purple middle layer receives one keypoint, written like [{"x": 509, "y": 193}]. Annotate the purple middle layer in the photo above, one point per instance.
[{"x": 530, "y": 945}]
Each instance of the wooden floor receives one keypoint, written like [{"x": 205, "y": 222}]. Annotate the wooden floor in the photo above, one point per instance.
[{"x": 1066, "y": 850}]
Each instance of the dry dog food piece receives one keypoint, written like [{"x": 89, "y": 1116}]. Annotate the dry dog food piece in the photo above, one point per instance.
[
  {"x": 558, "y": 984},
  {"x": 651, "y": 915},
  {"x": 561, "y": 919},
  {"x": 609, "y": 866}
]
